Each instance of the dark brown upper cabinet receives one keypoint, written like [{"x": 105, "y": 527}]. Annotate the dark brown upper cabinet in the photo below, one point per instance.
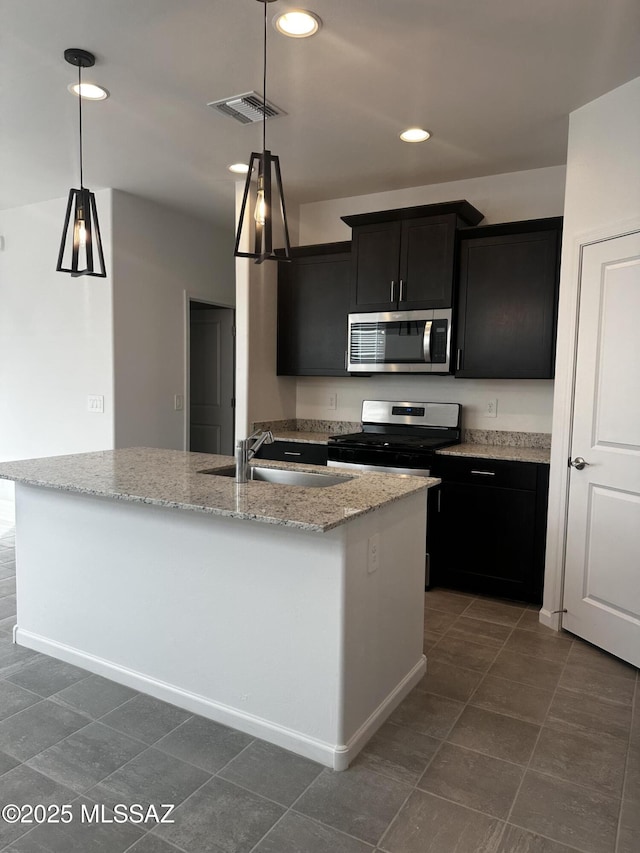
[
  {"x": 313, "y": 304},
  {"x": 508, "y": 299},
  {"x": 404, "y": 259}
]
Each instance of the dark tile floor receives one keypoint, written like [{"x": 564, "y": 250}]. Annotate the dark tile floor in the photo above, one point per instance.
[{"x": 517, "y": 741}]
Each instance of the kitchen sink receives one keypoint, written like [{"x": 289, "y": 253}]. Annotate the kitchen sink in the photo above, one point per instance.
[{"x": 285, "y": 476}]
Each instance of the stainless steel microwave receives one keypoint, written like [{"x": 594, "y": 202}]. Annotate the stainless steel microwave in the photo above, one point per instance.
[{"x": 400, "y": 342}]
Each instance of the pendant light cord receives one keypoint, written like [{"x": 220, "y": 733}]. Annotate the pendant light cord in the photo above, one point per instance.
[
  {"x": 80, "y": 122},
  {"x": 264, "y": 83}
]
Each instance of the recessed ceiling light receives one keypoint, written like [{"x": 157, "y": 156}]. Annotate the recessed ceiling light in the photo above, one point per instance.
[
  {"x": 239, "y": 168},
  {"x": 297, "y": 23},
  {"x": 415, "y": 134},
  {"x": 88, "y": 91}
]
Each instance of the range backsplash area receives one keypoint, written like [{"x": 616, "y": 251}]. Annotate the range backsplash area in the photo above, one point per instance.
[{"x": 524, "y": 405}]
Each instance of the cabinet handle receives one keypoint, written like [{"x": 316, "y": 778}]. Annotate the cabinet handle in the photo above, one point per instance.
[
  {"x": 393, "y": 292},
  {"x": 291, "y": 453},
  {"x": 402, "y": 295},
  {"x": 345, "y": 360},
  {"x": 459, "y": 359},
  {"x": 439, "y": 499},
  {"x": 485, "y": 473}
]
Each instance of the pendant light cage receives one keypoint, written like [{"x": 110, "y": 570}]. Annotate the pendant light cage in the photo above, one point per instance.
[
  {"x": 81, "y": 246},
  {"x": 257, "y": 227},
  {"x": 263, "y": 209},
  {"x": 81, "y": 250}
]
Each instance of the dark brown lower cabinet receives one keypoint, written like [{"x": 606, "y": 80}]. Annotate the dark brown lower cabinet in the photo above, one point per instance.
[{"x": 487, "y": 527}]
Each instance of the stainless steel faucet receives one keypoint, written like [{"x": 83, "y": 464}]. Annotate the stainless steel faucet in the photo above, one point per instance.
[{"x": 245, "y": 451}]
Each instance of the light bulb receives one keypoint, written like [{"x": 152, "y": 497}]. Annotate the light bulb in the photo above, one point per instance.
[
  {"x": 297, "y": 23},
  {"x": 260, "y": 212},
  {"x": 80, "y": 231},
  {"x": 88, "y": 91},
  {"x": 415, "y": 134}
]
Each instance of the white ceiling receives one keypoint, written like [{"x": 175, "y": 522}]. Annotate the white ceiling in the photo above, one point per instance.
[{"x": 494, "y": 80}]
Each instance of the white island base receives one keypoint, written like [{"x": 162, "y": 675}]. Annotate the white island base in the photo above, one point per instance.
[{"x": 297, "y": 637}]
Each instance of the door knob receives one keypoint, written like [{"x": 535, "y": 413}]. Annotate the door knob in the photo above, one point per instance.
[{"x": 578, "y": 463}]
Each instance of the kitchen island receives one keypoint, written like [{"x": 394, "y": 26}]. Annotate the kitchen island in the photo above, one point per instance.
[{"x": 292, "y": 613}]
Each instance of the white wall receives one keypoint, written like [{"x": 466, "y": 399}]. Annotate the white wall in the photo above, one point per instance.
[
  {"x": 261, "y": 395},
  {"x": 502, "y": 198},
  {"x": 122, "y": 337},
  {"x": 55, "y": 340},
  {"x": 158, "y": 255},
  {"x": 602, "y": 200},
  {"x": 522, "y": 405}
]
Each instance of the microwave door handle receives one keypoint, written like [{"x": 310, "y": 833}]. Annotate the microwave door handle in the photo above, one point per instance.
[{"x": 426, "y": 342}]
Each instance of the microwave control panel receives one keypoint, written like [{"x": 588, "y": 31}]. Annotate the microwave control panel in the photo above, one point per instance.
[{"x": 439, "y": 332}]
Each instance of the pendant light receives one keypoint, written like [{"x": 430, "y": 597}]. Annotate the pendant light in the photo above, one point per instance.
[
  {"x": 269, "y": 205},
  {"x": 81, "y": 245}
]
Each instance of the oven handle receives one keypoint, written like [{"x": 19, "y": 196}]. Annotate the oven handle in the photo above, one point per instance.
[
  {"x": 382, "y": 469},
  {"x": 426, "y": 342}
]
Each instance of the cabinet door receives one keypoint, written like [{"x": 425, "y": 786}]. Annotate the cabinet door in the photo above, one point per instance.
[
  {"x": 507, "y": 306},
  {"x": 375, "y": 271},
  {"x": 313, "y": 303},
  {"x": 426, "y": 262},
  {"x": 485, "y": 541}
]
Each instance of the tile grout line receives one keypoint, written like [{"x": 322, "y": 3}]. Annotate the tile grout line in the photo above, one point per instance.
[
  {"x": 415, "y": 788},
  {"x": 528, "y": 765},
  {"x": 290, "y": 809},
  {"x": 505, "y": 821}
]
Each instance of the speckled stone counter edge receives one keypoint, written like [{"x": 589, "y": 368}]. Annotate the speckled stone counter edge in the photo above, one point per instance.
[
  {"x": 178, "y": 480},
  {"x": 485, "y": 443},
  {"x": 309, "y": 425}
]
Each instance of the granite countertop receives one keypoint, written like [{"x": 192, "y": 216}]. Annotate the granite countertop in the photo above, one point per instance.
[
  {"x": 508, "y": 453},
  {"x": 173, "y": 478},
  {"x": 484, "y": 444},
  {"x": 511, "y": 453}
]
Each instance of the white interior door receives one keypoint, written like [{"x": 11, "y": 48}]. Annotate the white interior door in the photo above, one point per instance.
[
  {"x": 211, "y": 384},
  {"x": 602, "y": 567}
]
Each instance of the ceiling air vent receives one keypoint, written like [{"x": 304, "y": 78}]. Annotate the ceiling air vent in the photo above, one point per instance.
[{"x": 247, "y": 108}]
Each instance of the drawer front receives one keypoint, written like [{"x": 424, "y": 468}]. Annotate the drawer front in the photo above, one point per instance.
[
  {"x": 295, "y": 451},
  {"x": 486, "y": 472}
]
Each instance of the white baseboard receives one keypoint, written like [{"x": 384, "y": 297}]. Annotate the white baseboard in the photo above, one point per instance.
[
  {"x": 344, "y": 756},
  {"x": 551, "y": 620},
  {"x": 336, "y": 756}
]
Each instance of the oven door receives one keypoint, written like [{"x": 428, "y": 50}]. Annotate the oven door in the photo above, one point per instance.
[
  {"x": 400, "y": 342},
  {"x": 379, "y": 460}
]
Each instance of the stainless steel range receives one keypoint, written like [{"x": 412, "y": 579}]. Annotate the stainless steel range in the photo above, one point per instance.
[{"x": 397, "y": 437}]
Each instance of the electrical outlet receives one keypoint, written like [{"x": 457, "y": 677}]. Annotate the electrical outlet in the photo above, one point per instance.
[
  {"x": 332, "y": 401},
  {"x": 373, "y": 558},
  {"x": 491, "y": 410},
  {"x": 178, "y": 403},
  {"x": 95, "y": 403}
]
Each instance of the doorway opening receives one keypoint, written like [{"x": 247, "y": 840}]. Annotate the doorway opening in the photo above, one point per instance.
[{"x": 210, "y": 377}]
